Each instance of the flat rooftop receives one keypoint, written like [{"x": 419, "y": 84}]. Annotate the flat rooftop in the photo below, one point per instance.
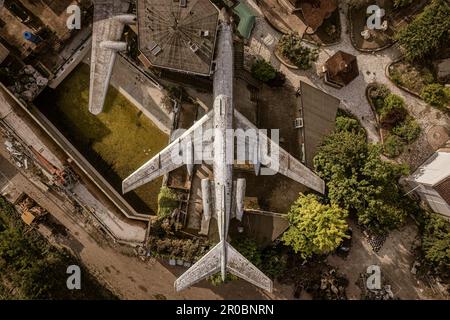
[{"x": 178, "y": 34}]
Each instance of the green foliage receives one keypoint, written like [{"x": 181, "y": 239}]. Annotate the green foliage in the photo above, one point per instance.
[
  {"x": 345, "y": 123},
  {"x": 378, "y": 94},
  {"x": 263, "y": 70},
  {"x": 248, "y": 248},
  {"x": 436, "y": 95},
  {"x": 34, "y": 268},
  {"x": 359, "y": 181},
  {"x": 393, "y": 146},
  {"x": 274, "y": 262},
  {"x": 291, "y": 47},
  {"x": 408, "y": 130},
  {"x": 315, "y": 228},
  {"x": 170, "y": 248},
  {"x": 436, "y": 241},
  {"x": 393, "y": 111},
  {"x": 427, "y": 33},
  {"x": 167, "y": 202}
]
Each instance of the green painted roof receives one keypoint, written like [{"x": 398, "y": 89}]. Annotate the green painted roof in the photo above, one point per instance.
[{"x": 247, "y": 19}]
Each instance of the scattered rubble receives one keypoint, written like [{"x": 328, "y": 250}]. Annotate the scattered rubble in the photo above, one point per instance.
[
  {"x": 375, "y": 240},
  {"x": 383, "y": 293},
  {"x": 28, "y": 84}
]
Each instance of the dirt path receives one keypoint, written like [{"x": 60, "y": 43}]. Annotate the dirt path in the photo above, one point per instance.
[{"x": 395, "y": 260}]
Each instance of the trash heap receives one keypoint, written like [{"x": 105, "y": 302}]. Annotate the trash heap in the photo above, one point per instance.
[
  {"x": 18, "y": 154},
  {"x": 383, "y": 293},
  {"x": 29, "y": 83},
  {"x": 332, "y": 286}
]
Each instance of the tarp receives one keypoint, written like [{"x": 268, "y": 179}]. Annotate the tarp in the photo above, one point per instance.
[{"x": 247, "y": 19}]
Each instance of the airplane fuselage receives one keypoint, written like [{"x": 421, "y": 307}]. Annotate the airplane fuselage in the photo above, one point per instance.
[{"x": 223, "y": 125}]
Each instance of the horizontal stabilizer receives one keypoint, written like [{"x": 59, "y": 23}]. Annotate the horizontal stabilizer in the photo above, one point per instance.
[{"x": 236, "y": 264}]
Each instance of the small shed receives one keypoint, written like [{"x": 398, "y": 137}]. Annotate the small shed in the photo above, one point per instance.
[
  {"x": 246, "y": 19},
  {"x": 341, "y": 69}
]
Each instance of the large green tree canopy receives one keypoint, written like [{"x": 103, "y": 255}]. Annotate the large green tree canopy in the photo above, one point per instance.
[
  {"x": 359, "y": 181},
  {"x": 315, "y": 228},
  {"x": 427, "y": 33}
]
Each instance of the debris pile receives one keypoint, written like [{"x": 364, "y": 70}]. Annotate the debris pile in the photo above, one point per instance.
[
  {"x": 315, "y": 277},
  {"x": 332, "y": 286},
  {"x": 17, "y": 153},
  {"x": 376, "y": 241},
  {"x": 29, "y": 83},
  {"x": 383, "y": 293},
  {"x": 30, "y": 210}
]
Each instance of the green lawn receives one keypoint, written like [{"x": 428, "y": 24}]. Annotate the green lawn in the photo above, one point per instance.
[{"x": 117, "y": 141}]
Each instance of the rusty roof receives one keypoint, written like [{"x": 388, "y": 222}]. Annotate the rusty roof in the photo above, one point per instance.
[
  {"x": 316, "y": 11},
  {"x": 178, "y": 35},
  {"x": 443, "y": 188},
  {"x": 342, "y": 68}
]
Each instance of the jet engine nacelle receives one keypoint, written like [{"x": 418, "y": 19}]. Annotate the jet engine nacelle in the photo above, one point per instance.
[
  {"x": 126, "y": 18},
  {"x": 114, "y": 45},
  {"x": 240, "y": 196}
]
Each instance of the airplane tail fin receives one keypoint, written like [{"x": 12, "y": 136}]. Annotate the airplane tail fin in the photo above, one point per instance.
[{"x": 236, "y": 264}]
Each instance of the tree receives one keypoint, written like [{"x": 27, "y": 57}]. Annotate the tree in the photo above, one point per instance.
[
  {"x": 315, "y": 228},
  {"x": 408, "y": 130},
  {"x": 436, "y": 95},
  {"x": 393, "y": 146},
  {"x": 359, "y": 181},
  {"x": 291, "y": 47},
  {"x": 427, "y": 33},
  {"x": 393, "y": 111},
  {"x": 436, "y": 241},
  {"x": 263, "y": 70}
]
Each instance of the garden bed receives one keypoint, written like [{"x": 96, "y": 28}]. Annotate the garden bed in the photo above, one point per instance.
[
  {"x": 420, "y": 81},
  {"x": 379, "y": 39},
  {"x": 397, "y": 128}
]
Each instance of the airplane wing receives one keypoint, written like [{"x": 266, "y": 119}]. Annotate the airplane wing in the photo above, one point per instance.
[
  {"x": 106, "y": 32},
  {"x": 288, "y": 165},
  {"x": 164, "y": 162}
]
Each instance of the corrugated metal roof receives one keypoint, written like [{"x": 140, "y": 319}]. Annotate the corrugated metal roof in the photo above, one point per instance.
[
  {"x": 178, "y": 35},
  {"x": 319, "y": 114},
  {"x": 434, "y": 170}
]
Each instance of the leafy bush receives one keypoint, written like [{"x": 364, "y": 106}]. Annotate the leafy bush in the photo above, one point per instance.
[
  {"x": 315, "y": 228},
  {"x": 291, "y": 47},
  {"x": 263, "y": 70},
  {"x": 347, "y": 124},
  {"x": 436, "y": 241},
  {"x": 274, "y": 262},
  {"x": 408, "y": 130},
  {"x": 248, "y": 248},
  {"x": 378, "y": 94},
  {"x": 393, "y": 146},
  {"x": 167, "y": 202},
  {"x": 393, "y": 111},
  {"x": 427, "y": 33},
  {"x": 436, "y": 95}
]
